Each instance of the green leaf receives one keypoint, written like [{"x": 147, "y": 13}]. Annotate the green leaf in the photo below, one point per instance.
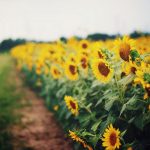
[
  {"x": 131, "y": 120},
  {"x": 109, "y": 104},
  {"x": 95, "y": 139},
  {"x": 131, "y": 101},
  {"x": 104, "y": 125},
  {"x": 139, "y": 122},
  {"x": 123, "y": 109},
  {"x": 129, "y": 104},
  {"x": 123, "y": 133},
  {"x": 85, "y": 133},
  {"x": 134, "y": 54},
  {"x": 127, "y": 79},
  {"x": 147, "y": 77},
  {"x": 95, "y": 126}
]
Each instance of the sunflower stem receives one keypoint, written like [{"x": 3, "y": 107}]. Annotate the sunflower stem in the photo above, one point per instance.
[{"x": 119, "y": 88}]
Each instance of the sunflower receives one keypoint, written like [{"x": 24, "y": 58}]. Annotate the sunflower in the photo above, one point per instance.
[
  {"x": 72, "y": 57},
  {"x": 96, "y": 48},
  {"x": 83, "y": 61},
  {"x": 102, "y": 70},
  {"x": 143, "y": 75},
  {"x": 71, "y": 70},
  {"x": 111, "y": 138},
  {"x": 123, "y": 47},
  {"x": 55, "y": 72},
  {"x": 76, "y": 138},
  {"x": 99, "y": 54},
  {"x": 84, "y": 44},
  {"x": 129, "y": 67},
  {"x": 72, "y": 105}
]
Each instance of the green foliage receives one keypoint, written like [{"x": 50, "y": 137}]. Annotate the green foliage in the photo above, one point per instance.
[
  {"x": 118, "y": 102},
  {"x": 8, "y": 103}
]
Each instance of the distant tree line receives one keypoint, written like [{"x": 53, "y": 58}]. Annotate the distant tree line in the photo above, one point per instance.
[
  {"x": 100, "y": 36},
  {"x": 7, "y": 44}
]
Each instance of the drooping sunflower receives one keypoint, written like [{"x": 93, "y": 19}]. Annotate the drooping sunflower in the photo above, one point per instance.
[
  {"x": 129, "y": 67},
  {"x": 102, "y": 71},
  {"x": 55, "y": 72},
  {"x": 72, "y": 105},
  {"x": 71, "y": 70},
  {"x": 123, "y": 47},
  {"x": 76, "y": 138},
  {"x": 111, "y": 138}
]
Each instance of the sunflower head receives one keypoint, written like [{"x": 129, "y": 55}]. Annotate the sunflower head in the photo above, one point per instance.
[
  {"x": 72, "y": 58},
  {"x": 98, "y": 54},
  {"x": 76, "y": 138},
  {"x": 55, "y": 72},
  {"x": 102, "y": 71},
  {"x": 129, "y": 67},
  {"x": 124, "y": 46},
  {"x": 111, "y": 138},
  {"x": 83, "y": 63},
  {"x": 71, "y": 70},
  {"x": 143, "y": 74},
  {"x": 72, "y": 105},
  {"x": 84, "y": 44}
]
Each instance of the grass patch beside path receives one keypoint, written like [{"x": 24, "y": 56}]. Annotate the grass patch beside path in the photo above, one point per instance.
[{"x": 9, "y": 101}]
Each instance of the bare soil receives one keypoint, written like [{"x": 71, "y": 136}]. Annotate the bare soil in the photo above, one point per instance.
[{"x": 38, "y": 129}]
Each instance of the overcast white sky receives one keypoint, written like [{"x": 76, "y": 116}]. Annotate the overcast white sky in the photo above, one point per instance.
[{"x": 50, "y": 19}]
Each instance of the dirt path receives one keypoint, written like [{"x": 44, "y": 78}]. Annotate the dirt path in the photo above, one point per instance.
[{"x": 39, "y": 129}]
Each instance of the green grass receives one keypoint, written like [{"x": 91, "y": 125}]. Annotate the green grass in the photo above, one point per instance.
[{"x": 9, "y": 102}]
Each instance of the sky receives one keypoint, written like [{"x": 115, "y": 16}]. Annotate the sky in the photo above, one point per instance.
[{"x": 51, "y": 19}]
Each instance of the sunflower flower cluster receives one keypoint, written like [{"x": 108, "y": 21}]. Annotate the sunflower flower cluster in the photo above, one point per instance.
[{"x": 98, "y": 90}]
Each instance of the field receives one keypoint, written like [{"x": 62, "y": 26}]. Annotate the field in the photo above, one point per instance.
[{"x": 99, "y": 91}]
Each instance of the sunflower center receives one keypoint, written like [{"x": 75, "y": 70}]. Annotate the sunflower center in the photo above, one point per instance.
[
  {"x": 51, "y": 52},
  {"x": 72, "y": 69},
  {"x": 56, "y": 72},
  {"x": 72, "y": 104},
  {"x": 72, "y": 59},
  {"x": 103, "y": 69},
  {"x": 113, "y": 139},
  {"x": 83, "y": 63},
  {"x": 148, "y": 91},
  {"x": 133, "y": 70},
  {"x": 124, "y": 51},
  {"x": 84, "y": 45},
  {"x": 100, "y": 55}
]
